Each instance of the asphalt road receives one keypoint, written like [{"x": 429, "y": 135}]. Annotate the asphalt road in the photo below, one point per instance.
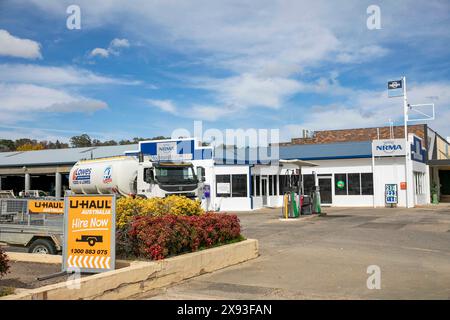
[{"x": 328, "y": 258}]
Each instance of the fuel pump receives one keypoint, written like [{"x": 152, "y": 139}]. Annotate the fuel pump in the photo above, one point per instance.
[
  {"x": 316, "y": 195},
  {"x": 291, "y": 198}
]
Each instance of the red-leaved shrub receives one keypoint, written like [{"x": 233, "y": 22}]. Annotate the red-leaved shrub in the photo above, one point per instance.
[
  {"x": 4, "y": 263},
  {"x": 160, "y": 237}
]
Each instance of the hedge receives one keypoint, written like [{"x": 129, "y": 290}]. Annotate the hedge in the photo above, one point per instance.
[
  {"x": 163, "y": 236},
  {"x": 4, "y": 263},
  {"x": 128, "y": 208}
]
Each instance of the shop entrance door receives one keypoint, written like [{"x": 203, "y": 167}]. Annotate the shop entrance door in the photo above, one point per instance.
[
  {"x": 325, "y": 190},
  {"x": 264, "y": 190}
]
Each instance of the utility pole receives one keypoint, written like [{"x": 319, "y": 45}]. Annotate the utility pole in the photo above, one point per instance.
[{"x": 407, "y": 146}]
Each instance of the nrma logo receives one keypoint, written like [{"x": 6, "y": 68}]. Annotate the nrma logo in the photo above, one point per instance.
[
  {"x": 107, "y": 178},
  {"x": 82, "y": 175},
  {"x": 388, "y": 148},
  {"x": 166, "y": 149}
]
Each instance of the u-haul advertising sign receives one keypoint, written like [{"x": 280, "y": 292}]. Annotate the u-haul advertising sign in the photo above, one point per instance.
[
  {"x": 89, "y": 233},
  {"x": 45, "y": 206},
  {"x": 388, "y": 147}
]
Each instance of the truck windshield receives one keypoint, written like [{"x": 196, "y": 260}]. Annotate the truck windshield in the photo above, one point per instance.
[{"x": 175, "y": 175}]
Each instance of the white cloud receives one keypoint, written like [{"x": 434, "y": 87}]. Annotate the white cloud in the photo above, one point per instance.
[
  {"x": 24, "y": 101},
  {"x": 358, "y": 55},
  {"x": 29, "y": 73},
  {"x": 248, "y": 90},
  {"x": 119, "y": 43},
  {"x": 16, "y": 47},
  {"x": 374, "y": 108},
  {"x": 209, "y": 113},
  {"x": 99, "y": 52},
  {"x": 164, "y": 105},
  {"x": 254, "y": 42},
  {"x": 113, "y": 48}
]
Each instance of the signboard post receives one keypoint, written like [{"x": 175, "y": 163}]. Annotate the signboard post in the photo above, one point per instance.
[
  {"x": 391, "y": 195},
  {"x": 89, "y": 233}
]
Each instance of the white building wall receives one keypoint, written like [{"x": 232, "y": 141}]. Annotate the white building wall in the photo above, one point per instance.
[{"x": 232, "y": 203}]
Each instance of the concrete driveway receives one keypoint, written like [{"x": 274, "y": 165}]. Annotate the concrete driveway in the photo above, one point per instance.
[{"x": 327, "y": 257}]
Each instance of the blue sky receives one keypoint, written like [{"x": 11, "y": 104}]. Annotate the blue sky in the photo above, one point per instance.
[{"x": 146, "y": 68}]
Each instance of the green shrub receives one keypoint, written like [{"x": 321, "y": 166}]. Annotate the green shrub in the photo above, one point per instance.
[
  {"x": 163, "y": 236},
  {"x": 127, "y": 208}
]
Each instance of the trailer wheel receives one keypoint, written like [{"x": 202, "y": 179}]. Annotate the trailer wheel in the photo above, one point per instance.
[{"x": 42, "y": 246}]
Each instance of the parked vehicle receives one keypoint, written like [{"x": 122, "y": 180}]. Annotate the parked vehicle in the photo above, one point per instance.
[
  {"x": 38, "y": 233},
  {"x": 7, "y": 194},
  {"x": 33, "y": 194},
  {"x": 130, "y": 176}
]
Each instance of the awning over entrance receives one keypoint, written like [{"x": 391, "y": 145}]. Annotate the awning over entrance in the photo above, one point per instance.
[{"x": 299, "y": 163}]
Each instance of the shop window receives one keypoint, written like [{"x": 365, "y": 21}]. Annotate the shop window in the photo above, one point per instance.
[
  {"x": 282, "y": 184},
  {"x": 354, "y": 184},
  {"x": 270, "y": 185},
  {"x": 275, "y": 185},
  {"x": 239, "y": 185},
  {"x": 258, "y": 186},
  {"x": 366, "y": 183},
  {"x": 340, "y": 184},
  {"x": 419, "y": 179}
]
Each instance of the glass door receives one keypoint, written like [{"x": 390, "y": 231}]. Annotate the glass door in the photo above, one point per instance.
[{"x": 325, "y": 185}]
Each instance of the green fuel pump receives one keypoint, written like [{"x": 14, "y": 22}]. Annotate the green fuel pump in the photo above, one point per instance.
[
  {"x": 291, "y": 187},
  {"x": 316, "y": 195}
]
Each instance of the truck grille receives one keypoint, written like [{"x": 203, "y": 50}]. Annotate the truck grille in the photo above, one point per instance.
[{"x": 178, "y": 188}]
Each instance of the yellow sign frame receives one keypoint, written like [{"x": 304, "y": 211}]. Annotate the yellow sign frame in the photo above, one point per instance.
[{"x": 89, "y": 233}]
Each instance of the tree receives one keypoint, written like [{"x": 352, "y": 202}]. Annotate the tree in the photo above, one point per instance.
[
  {"x": 7, "y": 145},
  {"x": 30, "y": 147},
  {"x": 81, "y": 141}
]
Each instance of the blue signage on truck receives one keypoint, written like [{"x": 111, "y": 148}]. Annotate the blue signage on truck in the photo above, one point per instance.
[{"x": 82, "y": 176}]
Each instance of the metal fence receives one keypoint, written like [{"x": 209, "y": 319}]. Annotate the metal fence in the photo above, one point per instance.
[{"x": 15, "y": 211}]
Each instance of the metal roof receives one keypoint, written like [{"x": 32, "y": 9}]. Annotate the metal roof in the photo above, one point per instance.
[
  {"x": 60, "y": 156},
  {"x": 262, "y": 155},
  {"x": 343, "y": 150}
]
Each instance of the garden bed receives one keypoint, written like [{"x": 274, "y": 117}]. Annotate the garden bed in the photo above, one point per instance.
[{"x": 23, "y": 275}]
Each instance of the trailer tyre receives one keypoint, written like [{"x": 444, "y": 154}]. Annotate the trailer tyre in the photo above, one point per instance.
[{"x": 42, "y": 246}]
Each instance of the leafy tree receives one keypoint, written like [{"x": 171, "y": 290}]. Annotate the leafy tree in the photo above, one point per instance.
[
  {"x": 30, "y": 147},
  {"x": 81, "y": 141},
  {"x": 7, "y": 145}
]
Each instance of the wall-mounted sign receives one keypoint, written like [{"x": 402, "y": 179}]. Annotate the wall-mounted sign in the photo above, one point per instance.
[
  {"x": 402, "y": 185},
  {"x": 340, "y": 184},
  {"x": 45, "y": 206},
  {"x": 223, "y": 188},
  {"x": 388, "y": 147},
  {"x": 391, "y": 194},
  {"x": 89, "y": 233},
  {"x": 395, "y": 88},
  {"x": 417, "y": 152}
]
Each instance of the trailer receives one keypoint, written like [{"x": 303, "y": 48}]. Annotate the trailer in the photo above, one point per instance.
[{"x": 39, "y": 233}]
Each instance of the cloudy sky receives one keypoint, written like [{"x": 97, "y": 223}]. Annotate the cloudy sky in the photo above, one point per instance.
[{"x": 145, "y": 68}]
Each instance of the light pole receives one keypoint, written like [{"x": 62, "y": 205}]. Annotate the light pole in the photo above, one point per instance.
[{"x": 405, "y": 115}]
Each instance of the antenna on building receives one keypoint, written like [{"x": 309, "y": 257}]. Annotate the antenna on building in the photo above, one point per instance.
[{"x": 391, "y": 129}]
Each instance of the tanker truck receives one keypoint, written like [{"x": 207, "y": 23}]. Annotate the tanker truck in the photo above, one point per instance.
[{"x": 132, "y": 176}]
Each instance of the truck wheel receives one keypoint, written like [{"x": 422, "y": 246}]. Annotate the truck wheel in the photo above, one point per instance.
[{"x": 42, "y": 246}]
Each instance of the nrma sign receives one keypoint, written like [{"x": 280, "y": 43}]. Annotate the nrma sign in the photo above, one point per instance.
[{"x": 388, "y": 148}]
